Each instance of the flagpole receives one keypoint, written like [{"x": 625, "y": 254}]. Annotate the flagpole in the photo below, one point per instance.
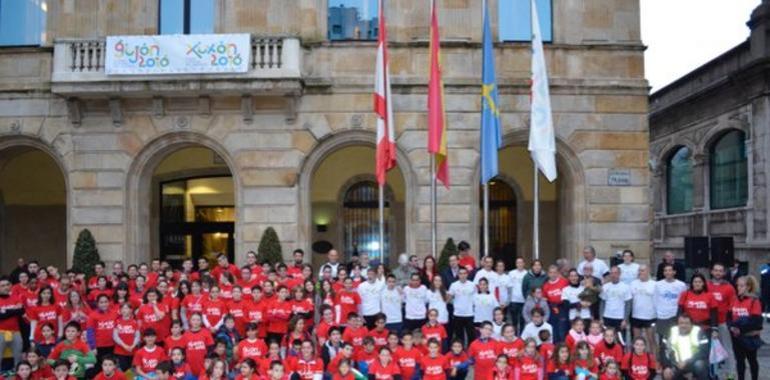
[
  {"x": 486, "y": 219},
  {"x": 382, "y": 223},
  {"x": 433, "y": 246},
  {"x": 536, "y": 216}
]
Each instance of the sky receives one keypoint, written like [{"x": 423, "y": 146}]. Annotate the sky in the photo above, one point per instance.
[{"x": 682, "y": 35}]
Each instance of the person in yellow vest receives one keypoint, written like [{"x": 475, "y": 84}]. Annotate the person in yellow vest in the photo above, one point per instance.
[{"x": 686, "y": 351}]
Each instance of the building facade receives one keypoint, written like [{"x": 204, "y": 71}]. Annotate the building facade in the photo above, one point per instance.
[
  {"x": 178, "y": 166},
  {"x": 709, "y": 146}
]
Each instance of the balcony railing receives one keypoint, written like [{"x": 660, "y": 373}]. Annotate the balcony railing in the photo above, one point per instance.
[{"x": 81, "y": 61}]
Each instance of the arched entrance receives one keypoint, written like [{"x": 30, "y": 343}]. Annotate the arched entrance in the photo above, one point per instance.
[
  {"x": 562, "y": 203},
  {"x": 33, "y": 207},
  {"x": 503, "y": 218},
  {"x": 183, "y": 201},
  {"x": 344, "y": 204}
]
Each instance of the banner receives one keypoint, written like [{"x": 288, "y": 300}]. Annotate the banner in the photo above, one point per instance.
[{"x": 178, "y": 54}]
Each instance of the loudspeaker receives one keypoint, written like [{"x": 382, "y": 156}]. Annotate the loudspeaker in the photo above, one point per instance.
[
  {"x": 723, "y": 251},
  {"x": 696, "y": 252}
]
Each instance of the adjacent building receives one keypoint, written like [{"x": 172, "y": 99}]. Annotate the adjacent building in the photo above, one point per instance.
[{"x": 186, "y": 165}]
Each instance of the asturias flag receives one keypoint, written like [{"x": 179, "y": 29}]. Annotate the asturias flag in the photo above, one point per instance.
[
  {"x": 542, "y": 142},
  {"x": 490, "y": 114},
  {"x": 383, "y": 108},
  {"x": 436, "y": 121}
]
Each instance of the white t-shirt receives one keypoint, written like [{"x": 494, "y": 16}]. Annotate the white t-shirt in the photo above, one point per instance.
[
  {"x": 436, "y": 301},
  {"x": 370, "y": 297},
  {"x": 570, "y": 294},
  {"x": 416, "y": 299},
  {"x": 667, "y": 298},
  {"x": 532, "y": 331},
  {"x": 600, "y": 267},
  {"x": 629, "y": 272},
  {"x": 503, "y": 284},
  {"x": 391, "y": 301},
  {"x": 484, "y": 305},
  {"x": 462, "y": 298},
  {"x": 516, "y": 277},
  {"x": 491, "y": 277},
  {"x": 615, "y": 297},
  {"x": 644, "y": 299}
]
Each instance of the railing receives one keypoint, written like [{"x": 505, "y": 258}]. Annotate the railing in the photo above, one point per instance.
[{"x": 82, "y": 60}]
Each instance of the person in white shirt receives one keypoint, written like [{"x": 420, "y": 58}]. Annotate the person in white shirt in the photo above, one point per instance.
[
  {"x": 600, "y": 267},
  {"x": 484, "y": 303},
  {"x": 333, "y": 263},
  {"x": 437, "y": 298},
  {"x": 416, "y": 301},
  {"x": 666, "y": 299},
  {"x": 571, "y": 293},
  {"x": 461, "y": 293},
  {"x": 503, "y": 284},
  {"x": 370, "y": 291},
  {"x": 643, "y": 306},
  {"x": 629, "y": 270},
  {"x": 487, "y": 271},
  {"x": 532, "y": 329},
  {"x": 515, "y": 279},
  {"x": 391, "y": 300},
  {"x": 616, "y": 297}
]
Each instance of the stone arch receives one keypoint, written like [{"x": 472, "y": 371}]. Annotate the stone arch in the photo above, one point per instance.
[
  {"x": 20, "y": 141},
  {"x": 138, "y": 245},
  {"x": 573, "y": 228},
  {"x": 331, "y": 143}
]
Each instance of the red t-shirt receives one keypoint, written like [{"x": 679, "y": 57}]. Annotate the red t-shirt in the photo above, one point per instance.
[
  {"x": 607, "y": 376},
  {"x": 433, "y": 332},
  {"x": 117, "y": 375},
  {"x": 563, "y": 368},
  {"x": 384, "y": 372},
  {"x": 304, "y": 307},
  {"x": 355, "y": 336},
  {"x": 44, "y": 314},
  {"x": 453, "y": 360},
  {"x": 638, "y": 367},
  {"x": 407, "y": 360},
  {"x": 8, "y": 303},
  {"x": 214, "y": 310},
  {"x": 239, "y": 311},
  {"x": 251, "y": 350},
  {"x": 552, "y": 290},
  {"x": 230, "y": 268},
  {"x": 148, "y": 319},
  {"x": 148, "y": 360},
  {"x": 43, "y": 372},
  {"x": 723, "y": 294},
  {"x": 347, "y": 303},
  {"x": 546, "y": 350},
  {"x": 468, "y": 262},
  {"x": 103, "y": 323},
  {"x": 502, "y": 374},
  {"x": 745, "y": 307},
  {"x": 484, "y": 355},
  {"x": 256, "y": 313},
  {"x": 171, "y": 342},
  {"x": 307, "y": 369},
  {"x": 603, "y": 352},
  {"x": 322, "y": 331},
  {"x": 529, "y": 367},
  {"x": 512, "y": 349},
  {"x": 697, "y": 306},
  {"x": 278, "y": 316},
  {"x": 380, "y": 337},
  {"x": 434, "y": 368},
  {"x": 126, "y": 330},
  {"x": 193, "y": 304},
  {"x": 79, "y": 315},
  {"x": 196, "y": 345}
]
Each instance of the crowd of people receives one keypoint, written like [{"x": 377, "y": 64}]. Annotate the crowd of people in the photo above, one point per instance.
[{"x": 360, "y": 320}]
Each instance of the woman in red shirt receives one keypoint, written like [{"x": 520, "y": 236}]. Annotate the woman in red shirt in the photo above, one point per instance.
[
  {"x": 101, "y": 323},
  {"x": 214, "y": 310},
  {"x": 101, "y": 288},
  {"x": 302, "y": 306},
  {"x": 278, "y": 315},
  {"x": 76, "y": 310},
  {"x": 46, "y": 311},
  {"x": 192, "y": 303},
  {"x": 384, "y": 368},
  {"x": 125, "y": 336},
  {"x": 296, "y": 331},
  {"x": 698, "y": 303},
  {"x": 745, "y": 321},
  {"x": 197, "y": 342}
]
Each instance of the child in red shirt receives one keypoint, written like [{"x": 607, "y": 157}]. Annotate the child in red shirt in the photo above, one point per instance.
[
  {"x": 639, "y": 364},
  {"x": 278, "y": 315},
  {"x": 611, "y": 371},
  {"x": 583, "y": 361},
  {"x": 126, "y": 336},
  {"x": 457, "y": 360},
  {"x": 61, "y": 371},
  {"x": 530, "y": 364},
  {"x": 147, "y": 358},
  {"x": 347, "y": 300},
  {"x": 560, "y": 365},
  {"x": 502, "y": 370},
  {"x": 354, "y": 332},
  {"x": 344, "y": 371},
  {"x": 110, "y": 370},
  {"x": 546, "y": 348},
  {"x": 608, "y": 348},
  {"x": 484, "y": 353},
  {"x": 433, "y": 329},
  {"x": 433, "y": 366},
  {"x": 407, "y": 357}
]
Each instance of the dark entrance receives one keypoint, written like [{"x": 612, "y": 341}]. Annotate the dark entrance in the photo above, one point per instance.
[{"x": 502, "y": 222}]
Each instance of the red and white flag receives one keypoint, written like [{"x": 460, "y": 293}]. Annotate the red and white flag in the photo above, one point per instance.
[{"x": 386, "y": 142}]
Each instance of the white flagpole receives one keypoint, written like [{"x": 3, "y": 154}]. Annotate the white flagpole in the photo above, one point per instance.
[
  {"x": 536, "y": 216},
  {"x": 382, "y": 223},
  {"x": 433, "y": 205},
  {"x": 486, "y": 219}
]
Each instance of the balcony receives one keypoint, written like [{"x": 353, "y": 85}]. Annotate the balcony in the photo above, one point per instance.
[{"x": 274, "y": 69}]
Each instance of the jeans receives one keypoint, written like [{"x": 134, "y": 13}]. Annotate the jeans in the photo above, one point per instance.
[
  {"x": 395, "y": 327},
  {"x": 698, "y": 368},
  {"x": 514, "y": 314},
  {"x": 741, "y": 356},
  {"x": 16, "y": 345},
  {"x": 464, "y": 328},
  {"x": 413, "y": 324}
]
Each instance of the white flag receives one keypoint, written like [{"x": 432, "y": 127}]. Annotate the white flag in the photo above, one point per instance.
[{"x": 542, "y": 144}]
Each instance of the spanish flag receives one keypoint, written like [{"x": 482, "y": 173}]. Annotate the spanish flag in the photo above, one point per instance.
[{"x": 436, "y": 120}]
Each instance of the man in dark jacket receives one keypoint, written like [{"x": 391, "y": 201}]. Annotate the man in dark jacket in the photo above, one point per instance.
[
  {"x": 534, "y": 279},
  {"x": 668, "y": 258}
]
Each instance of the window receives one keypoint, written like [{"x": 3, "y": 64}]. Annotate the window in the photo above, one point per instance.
[
  {"x": 22, "y": 22},
  {"x": 514, "y": 20},
  {"x": 352, "y": 20},
  {"x": 361, "y": 217},
  {"x": 186, "y": 17},
  {"x": 679, "y": 185},
  {"x": 729, "y": 171}
]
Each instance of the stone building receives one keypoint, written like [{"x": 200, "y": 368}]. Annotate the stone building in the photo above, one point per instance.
[
  {"x": 174, "y": 166},
  {"x": 709, "y": 146}
]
